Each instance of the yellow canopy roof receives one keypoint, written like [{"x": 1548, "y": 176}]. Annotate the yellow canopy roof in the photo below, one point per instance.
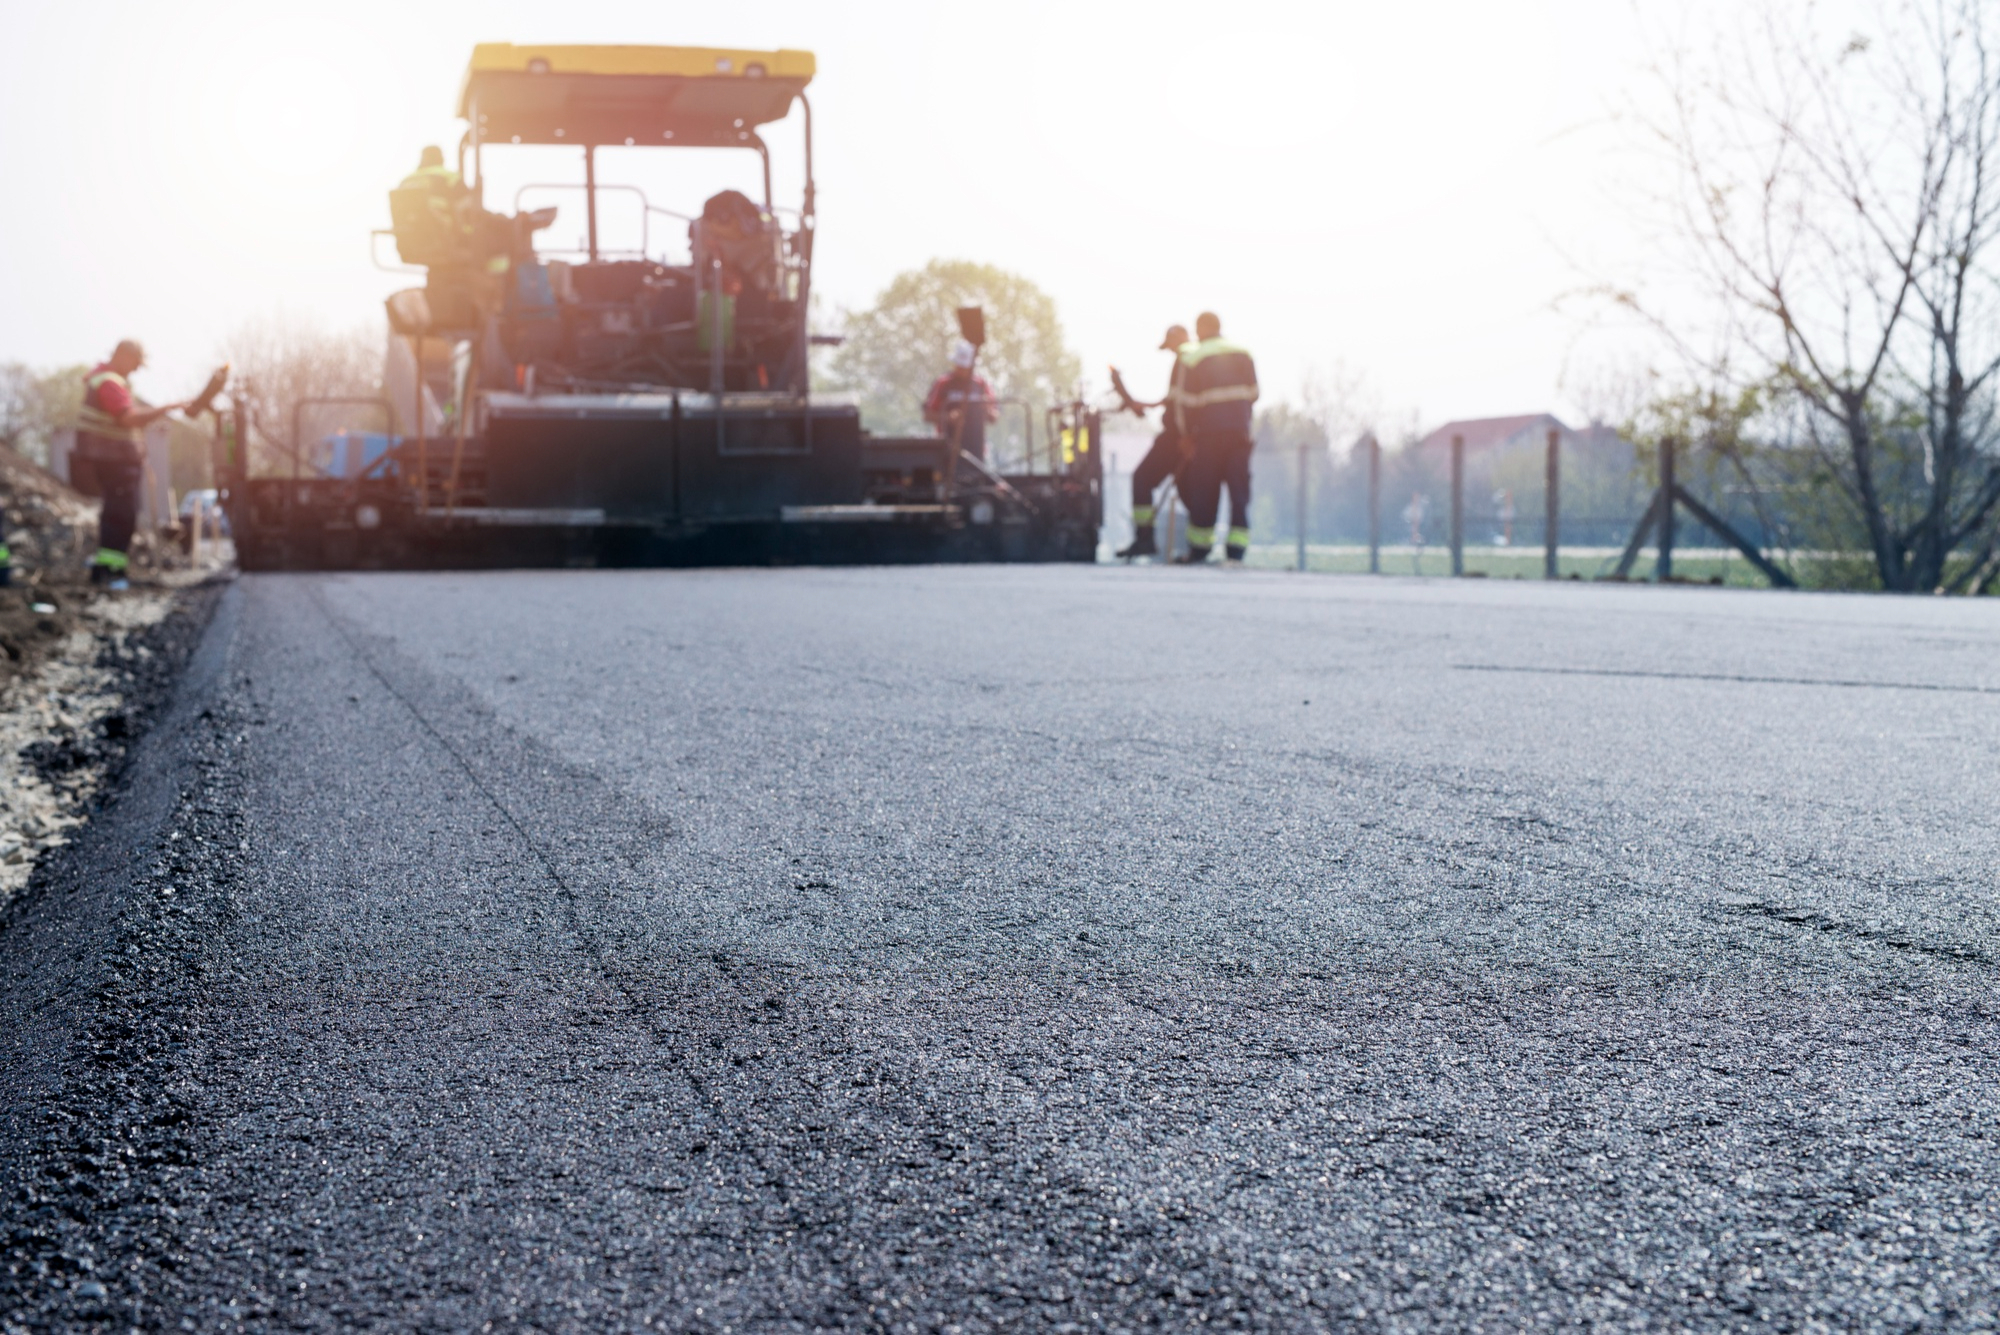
[{"x": 619, "y": 94}]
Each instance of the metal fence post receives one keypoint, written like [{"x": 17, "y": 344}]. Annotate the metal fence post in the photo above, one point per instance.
[
  {"x": 1302, "y": 503},
  {"x": 1663, "y": 570},
  {"x": 1552, "y": 503},
  {"x": 1374, "y": 505},
  {"x": 1458, "y": 505}
]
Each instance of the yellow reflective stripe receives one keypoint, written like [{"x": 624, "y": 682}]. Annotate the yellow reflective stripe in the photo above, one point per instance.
[
  {"x": 1194, "y": 354},
  {"x": 1198, "y": 536},
  {"x": 93, "y": 423},
  {"x": 1220, "y": 394},
  {"x": 1239, "y": 536},
  {"x": 1142, "y": 515},
  {"x": 425, "y": 175},
  {"x": 111, "y": 559}
]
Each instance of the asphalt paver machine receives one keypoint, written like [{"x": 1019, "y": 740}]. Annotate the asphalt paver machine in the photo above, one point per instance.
[{"x": 626, "y": 408}]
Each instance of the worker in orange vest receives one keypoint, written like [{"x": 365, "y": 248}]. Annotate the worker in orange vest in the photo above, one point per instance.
[
  {"x": 962, "y": 404},
  {"x": 110, "y": 444}
]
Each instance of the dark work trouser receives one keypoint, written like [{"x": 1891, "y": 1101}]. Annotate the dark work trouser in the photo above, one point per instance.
[
  {"x": 1161, "y": 462},
  {"x": 118, "y": 482},
  {"x": 1219, "y": 461},
  {"x": 972, "y": 440}
]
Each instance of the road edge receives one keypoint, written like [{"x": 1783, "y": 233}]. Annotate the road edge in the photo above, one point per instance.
[{"x": 97, "y": 967}]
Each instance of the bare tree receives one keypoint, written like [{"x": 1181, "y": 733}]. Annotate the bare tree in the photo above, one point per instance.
[
  {"x": 1343, "y": 401},
  {"x": 279, "y": 361},
  {"x": 1840, "y": 196},
  {"x": 34, "y": 405},
  {"x": 1608, "y": 392}
]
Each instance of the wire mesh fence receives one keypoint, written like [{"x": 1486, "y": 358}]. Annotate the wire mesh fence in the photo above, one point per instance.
[{"x": 1438, "y": 507}]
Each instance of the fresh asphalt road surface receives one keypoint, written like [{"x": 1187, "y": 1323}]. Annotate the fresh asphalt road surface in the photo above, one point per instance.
[{"x": 961, "y": 948}]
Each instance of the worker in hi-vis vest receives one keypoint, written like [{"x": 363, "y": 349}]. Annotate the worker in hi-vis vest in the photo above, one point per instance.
[
  {"x": 429, "y": 210},
  {"x": 1164, "y": 460},
  {"x": 1217, "y": 394},
  {"x": 110, "y": 449}
]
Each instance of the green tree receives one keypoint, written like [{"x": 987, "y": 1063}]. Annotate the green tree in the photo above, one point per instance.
[{"x": 895, "y": 348}]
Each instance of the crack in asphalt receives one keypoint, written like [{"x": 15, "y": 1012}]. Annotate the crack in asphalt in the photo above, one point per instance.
[
  {"x": 1821, "y": 922},
  {"x": 1738, "y": 677},
  {"x": 641, "y": 1008}
]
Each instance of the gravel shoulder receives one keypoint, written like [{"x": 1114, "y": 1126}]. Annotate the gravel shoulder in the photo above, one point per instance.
[
  {"x": 91, "y": 669},
  {"x": 87, "y": 781}
]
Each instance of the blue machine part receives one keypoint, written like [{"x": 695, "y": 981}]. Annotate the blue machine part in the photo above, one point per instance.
[
  {"x": 534, "y": 323},
  {"x": 353, "y": 453},
  {"x": 533, "y": 294}
]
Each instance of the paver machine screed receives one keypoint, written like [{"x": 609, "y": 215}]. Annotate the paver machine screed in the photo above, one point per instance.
[{"x": 633, "y": 407}]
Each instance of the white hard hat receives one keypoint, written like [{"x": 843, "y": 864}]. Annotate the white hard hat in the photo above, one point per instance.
[{"x": 962, "y": 354}]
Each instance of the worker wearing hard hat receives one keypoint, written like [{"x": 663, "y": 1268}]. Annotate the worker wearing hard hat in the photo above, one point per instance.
[
  {"x": 428, "y": 211},
  {"x": 1164, "y": 460},
  {"x": 109, "y": 459},
  {"x": 430, "y": 167},
  {"x": 962, "y": 404},
  {"x": 1218, "y": 393}
]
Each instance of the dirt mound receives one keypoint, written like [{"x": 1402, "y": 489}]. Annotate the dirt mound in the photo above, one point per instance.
[
  {"x": 51, "y": 527},
  {"x": 67, "y": 721},
  {"x": 52, "y": 530}
]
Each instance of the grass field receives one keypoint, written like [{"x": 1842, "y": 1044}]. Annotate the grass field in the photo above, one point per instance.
[{"x": 1699, "y": 564}]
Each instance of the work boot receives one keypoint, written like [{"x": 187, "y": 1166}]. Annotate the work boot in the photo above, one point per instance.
[
  {"x": 1195, "y": 556},
  {"x": 1233, "y": 553},
  {"x": 108, "y": 567},
  {"x": 1141, "y": 545}
]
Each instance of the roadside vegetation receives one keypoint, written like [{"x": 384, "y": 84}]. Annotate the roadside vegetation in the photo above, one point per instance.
[
  {"x": 1837, "y": 195},
  {"x": 1829, "y": 318}
]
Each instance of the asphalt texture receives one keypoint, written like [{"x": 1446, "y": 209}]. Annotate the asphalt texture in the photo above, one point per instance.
[{"x": 958, "y": 949}]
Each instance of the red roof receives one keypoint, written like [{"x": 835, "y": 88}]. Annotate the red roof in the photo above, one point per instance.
[{"x": 1480, "y": 432}]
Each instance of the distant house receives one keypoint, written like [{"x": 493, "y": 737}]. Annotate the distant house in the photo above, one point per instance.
[
  {"x": 1492, "y": 432},
  {"x": 1499, "y": 433}
]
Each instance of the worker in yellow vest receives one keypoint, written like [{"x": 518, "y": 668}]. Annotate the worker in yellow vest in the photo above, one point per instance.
[
  {"x": 109, "y": 460},
  {"x": 1218, "y": 396}
]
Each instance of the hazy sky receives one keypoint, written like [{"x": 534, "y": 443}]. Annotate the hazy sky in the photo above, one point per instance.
[{"x": 1405, "y": 189}]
